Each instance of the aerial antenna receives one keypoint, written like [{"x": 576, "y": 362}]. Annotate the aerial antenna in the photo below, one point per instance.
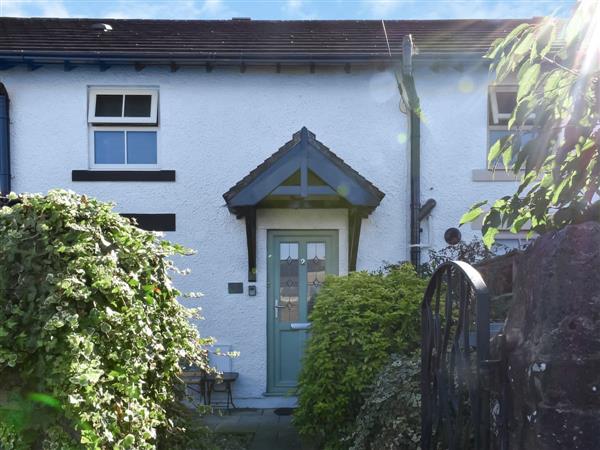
[{"x": 387, "y": 41}]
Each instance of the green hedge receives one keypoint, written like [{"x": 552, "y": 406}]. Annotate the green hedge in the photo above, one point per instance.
[
  {"x": 357, "y": 323},
  {"x": 92, "y": 336}
]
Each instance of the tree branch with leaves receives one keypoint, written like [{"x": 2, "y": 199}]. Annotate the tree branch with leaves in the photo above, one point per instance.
[{"x": 557, "y": 67}]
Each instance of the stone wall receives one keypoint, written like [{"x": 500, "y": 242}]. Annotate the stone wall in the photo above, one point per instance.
[
  {"x": 499, "y": 273},
  {"x": 552, "y": 342}
]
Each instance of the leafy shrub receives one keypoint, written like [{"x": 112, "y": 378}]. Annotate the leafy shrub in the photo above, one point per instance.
[
  {"x": 390, "y": 418},
  {"x": 357, "y": 322},
  {"x": 92, "y": 337}
]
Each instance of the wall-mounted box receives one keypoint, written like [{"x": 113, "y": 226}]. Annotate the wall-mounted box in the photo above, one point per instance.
[{"x": 235, "y": 288}]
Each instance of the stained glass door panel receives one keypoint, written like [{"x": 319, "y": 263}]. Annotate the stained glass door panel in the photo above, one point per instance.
[
  {"x": 287, "y": 305},
  {"x": 316, "y": 261}
]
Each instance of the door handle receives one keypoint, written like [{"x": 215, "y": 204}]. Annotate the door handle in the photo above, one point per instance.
[{"x": 277, "y": 307}]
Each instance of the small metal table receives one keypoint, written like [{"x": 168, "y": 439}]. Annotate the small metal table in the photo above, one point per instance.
[{"x": 208, "y": 383}]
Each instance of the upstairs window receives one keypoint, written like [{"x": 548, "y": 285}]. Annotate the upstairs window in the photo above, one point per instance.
[
  {"x": 502, "y": 100},
  {"x": 122, "y": 125}
]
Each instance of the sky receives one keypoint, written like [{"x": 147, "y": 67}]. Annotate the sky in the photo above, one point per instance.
[{"x": 287, "y": 9}]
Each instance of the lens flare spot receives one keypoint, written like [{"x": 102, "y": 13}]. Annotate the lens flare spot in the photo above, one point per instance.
[
  {"x": 343, "y": 190},
  {"x": 401, "y": 138},
  {"x": 466, "y": 85}
]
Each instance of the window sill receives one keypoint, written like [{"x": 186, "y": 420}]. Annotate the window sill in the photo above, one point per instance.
[
  {"x": 123, "y": 175},
  {"x": 497, "y": 175}
]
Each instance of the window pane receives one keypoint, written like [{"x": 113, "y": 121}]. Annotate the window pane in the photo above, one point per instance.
[
  {"x": 109, "y": 147},
  {"x": 288, "y": 283},
  {"x": 141, "y": 147},
  {"x": 496, "y": 135},
  {"x": 315, "y": 274},
  {"x": 507, "y": 101},
  {"x": 137, "y": 105},
  {"x": 109, "y": 105}
]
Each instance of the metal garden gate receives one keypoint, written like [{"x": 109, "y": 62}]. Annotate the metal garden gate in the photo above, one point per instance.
[{"x": 456, "y": 369}]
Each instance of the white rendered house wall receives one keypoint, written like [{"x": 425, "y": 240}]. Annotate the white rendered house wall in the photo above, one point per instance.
[
  {"x": 213, "y": 129},
  {"x": 216, "y": 127}
]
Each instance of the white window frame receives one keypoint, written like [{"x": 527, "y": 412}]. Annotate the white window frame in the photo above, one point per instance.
[
  {"x": 493, "y": 91},
  {"x": 125, "y": 165},
  {"x": 94, "y": 91}
]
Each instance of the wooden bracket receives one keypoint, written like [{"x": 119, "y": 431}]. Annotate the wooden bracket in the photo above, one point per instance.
[
  {"x": 250, "y": 218},
  {"x": 355, "y": 216}
]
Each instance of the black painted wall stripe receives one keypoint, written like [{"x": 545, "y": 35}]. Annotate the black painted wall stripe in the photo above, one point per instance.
[
  {"x": 123, "y": 175},
  {"x": 154, "y": 222}
]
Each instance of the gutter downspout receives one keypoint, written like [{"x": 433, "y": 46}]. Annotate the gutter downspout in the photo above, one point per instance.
[
  {"x": 408, "y": 92},
  {"x": 5, "y": 181}
]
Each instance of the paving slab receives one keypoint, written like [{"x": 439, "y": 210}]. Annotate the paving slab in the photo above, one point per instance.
[
  {"x": 254, "y": 421},
  {"x": 271, "y": 432},
  {"x": 285, "y": 420}
]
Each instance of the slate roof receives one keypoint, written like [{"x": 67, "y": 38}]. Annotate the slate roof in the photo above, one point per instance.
[
  {"x": 303, "y": 135},
  {"x": 244, "y": 40}
]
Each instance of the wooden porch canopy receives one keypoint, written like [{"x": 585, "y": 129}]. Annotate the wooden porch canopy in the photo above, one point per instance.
[{"x": 303, "y": 173}]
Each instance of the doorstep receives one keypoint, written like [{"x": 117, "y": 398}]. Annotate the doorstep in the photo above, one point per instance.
[{"x": 267, "y": 402}]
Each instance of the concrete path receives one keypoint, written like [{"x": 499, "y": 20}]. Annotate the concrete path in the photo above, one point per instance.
[{"x": 271, "y": 432}]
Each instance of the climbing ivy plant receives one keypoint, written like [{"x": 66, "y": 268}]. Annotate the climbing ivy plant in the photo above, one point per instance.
[
  {"x": 92, "y": 337},
  {"x": 557, "y": 68}
]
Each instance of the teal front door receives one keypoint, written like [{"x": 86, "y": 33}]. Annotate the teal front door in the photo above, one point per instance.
[{"x": 297, "y": 264}]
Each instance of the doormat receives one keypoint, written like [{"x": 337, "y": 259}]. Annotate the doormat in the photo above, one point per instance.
[{"x": 284, "y": 411}]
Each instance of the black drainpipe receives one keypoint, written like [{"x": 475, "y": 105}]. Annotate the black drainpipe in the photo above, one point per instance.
[
  {"x": 4, "y": 143},
  {"x": 408, "y": 91},
  {"x": 415, "y": 189}
]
